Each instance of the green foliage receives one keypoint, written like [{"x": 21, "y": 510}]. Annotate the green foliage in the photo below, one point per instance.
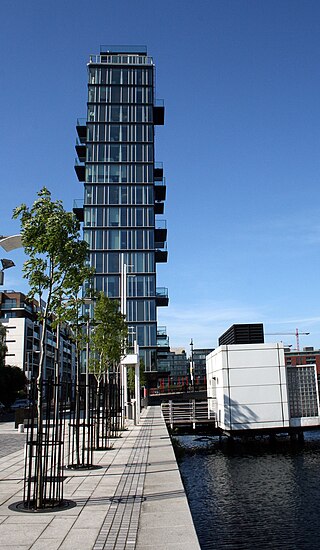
[
  {"x": 12, "y": 381},
  {"x": 3, "y": 347},
  {"x": 57, "y": 254},
  {"x": 108, "y": 338},
  {"x": 56, "y": 268}
]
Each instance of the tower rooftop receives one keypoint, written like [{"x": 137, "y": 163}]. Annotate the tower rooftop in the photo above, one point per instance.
[{"x": 138, "y": 50}]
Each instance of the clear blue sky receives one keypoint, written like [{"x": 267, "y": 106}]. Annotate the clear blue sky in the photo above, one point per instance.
[{"x": 241, "y": 144}]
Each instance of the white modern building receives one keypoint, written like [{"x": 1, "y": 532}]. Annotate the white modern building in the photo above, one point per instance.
[
  {"x": 249, "y": 387},
  {"x": 23, "y": 332}
]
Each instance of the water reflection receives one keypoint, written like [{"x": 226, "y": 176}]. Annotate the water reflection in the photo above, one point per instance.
[{"x": 259, "y": 495}]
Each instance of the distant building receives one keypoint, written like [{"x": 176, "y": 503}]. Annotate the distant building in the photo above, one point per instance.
[
  {"x": 307, "y": 356},
  {"x": 18, "y": 315},
  {"x": 180, "y": 363},
  {"x": 199, "y": 362}
]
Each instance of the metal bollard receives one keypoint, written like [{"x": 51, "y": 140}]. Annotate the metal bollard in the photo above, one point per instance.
[{"x": 20, "y": 428}]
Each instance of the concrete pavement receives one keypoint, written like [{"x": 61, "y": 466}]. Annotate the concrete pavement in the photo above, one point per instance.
[{"x": 135, "y": 501}]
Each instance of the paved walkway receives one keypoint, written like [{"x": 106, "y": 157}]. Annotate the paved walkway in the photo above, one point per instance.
[
  {"x": 10, "y": 442},
  {"x": 134, "y": 501}
]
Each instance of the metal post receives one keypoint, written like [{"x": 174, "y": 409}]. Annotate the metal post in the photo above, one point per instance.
[
  {"x": 193, "y": 413},
  {"x": 57, "y": 358},
  {"x": 191, "y": 365},
  {"x": 123, "y": 309},
  {"x": 171, "y": 414},
  {"x": 87, "y": 368},
  {"x": 57, "y": 369},
  {"x": 137, "y": 382},
  {"x": 29, "y": 374}
]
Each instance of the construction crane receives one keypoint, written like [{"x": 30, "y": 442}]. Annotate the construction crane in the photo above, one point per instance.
[{"x": 296, "y": 334}]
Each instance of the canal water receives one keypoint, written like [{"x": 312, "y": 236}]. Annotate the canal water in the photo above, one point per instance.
[{"x": 257, "y": 495}]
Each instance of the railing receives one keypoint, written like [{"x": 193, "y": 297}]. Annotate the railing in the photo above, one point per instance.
[
  {"x": 162, "y": 247},
  {"x": 162, "y": 292},
  {"x": 160, "y": 182},
  {"x": 192, "y": 412},
  {"x": 77, "y": 203},
  {"x": 166, "y": 390},
  {"x": 121, "y": 59},
  {"x": 163, "y": 342},
  {"x": 78, "y": 162},
  {"x": 161, "y": 224}
]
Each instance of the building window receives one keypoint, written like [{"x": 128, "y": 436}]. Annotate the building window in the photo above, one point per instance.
[{"x": 9, "y": 303}]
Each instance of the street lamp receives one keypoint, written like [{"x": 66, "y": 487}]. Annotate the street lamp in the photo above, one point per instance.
[
  {"x": 6, "y": 264},
  {"x": 10, "y": 242},
  {"x": 123, "y": 308},
  {"x": 131, "y": 360}
]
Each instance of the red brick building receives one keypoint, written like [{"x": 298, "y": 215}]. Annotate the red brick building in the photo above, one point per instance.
[{"x": 307, "y": 356}]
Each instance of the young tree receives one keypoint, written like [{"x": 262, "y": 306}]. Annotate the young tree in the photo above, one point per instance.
[
  {"x": 55, "y": 268},
  {"x": 107, "y": 342}
]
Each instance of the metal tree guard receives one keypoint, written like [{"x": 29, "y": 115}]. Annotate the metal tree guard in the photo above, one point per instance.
[
  {"x": 81, "y": 429},
  {"x": 45, "y": 451}
]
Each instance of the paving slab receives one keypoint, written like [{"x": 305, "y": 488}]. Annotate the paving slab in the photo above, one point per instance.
[{"x": 123, "y": 505}]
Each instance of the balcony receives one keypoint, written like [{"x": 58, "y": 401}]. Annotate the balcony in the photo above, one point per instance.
[
  {"x": 81, "y": 150},
  {"x": 160, "y": 190},
  {"x": 81, "y": 128},
  {"x": 80, "y": 170},
  {"x": 161, "y": 256},
  {"x": 162, "y": 296},
  {"x": 158, "y": 112},
  {"x": 78, "y": 209},
  {"x": 162, "y": 338},
  {"x": 158, "y": 171},
  {"x": 159, "y": 208},
  {"x": 160, "y": 233}
]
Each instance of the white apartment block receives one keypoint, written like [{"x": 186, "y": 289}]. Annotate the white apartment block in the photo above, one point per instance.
[{"x": 250, "y": 387}]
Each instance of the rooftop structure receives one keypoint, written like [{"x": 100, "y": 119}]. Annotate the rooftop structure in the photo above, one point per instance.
[{"x": 245, "y": 333}]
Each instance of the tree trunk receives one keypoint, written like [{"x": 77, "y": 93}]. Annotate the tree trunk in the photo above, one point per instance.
[{"x": 39, "y": 465}]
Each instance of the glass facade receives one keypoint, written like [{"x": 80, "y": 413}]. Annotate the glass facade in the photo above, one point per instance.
[
  {"x": 302, "y": 391},
  {"x": 119, "y": 186}
]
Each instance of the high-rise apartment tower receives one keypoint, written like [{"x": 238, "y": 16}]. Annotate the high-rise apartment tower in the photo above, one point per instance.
[{"x": 124, "y": 188}]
